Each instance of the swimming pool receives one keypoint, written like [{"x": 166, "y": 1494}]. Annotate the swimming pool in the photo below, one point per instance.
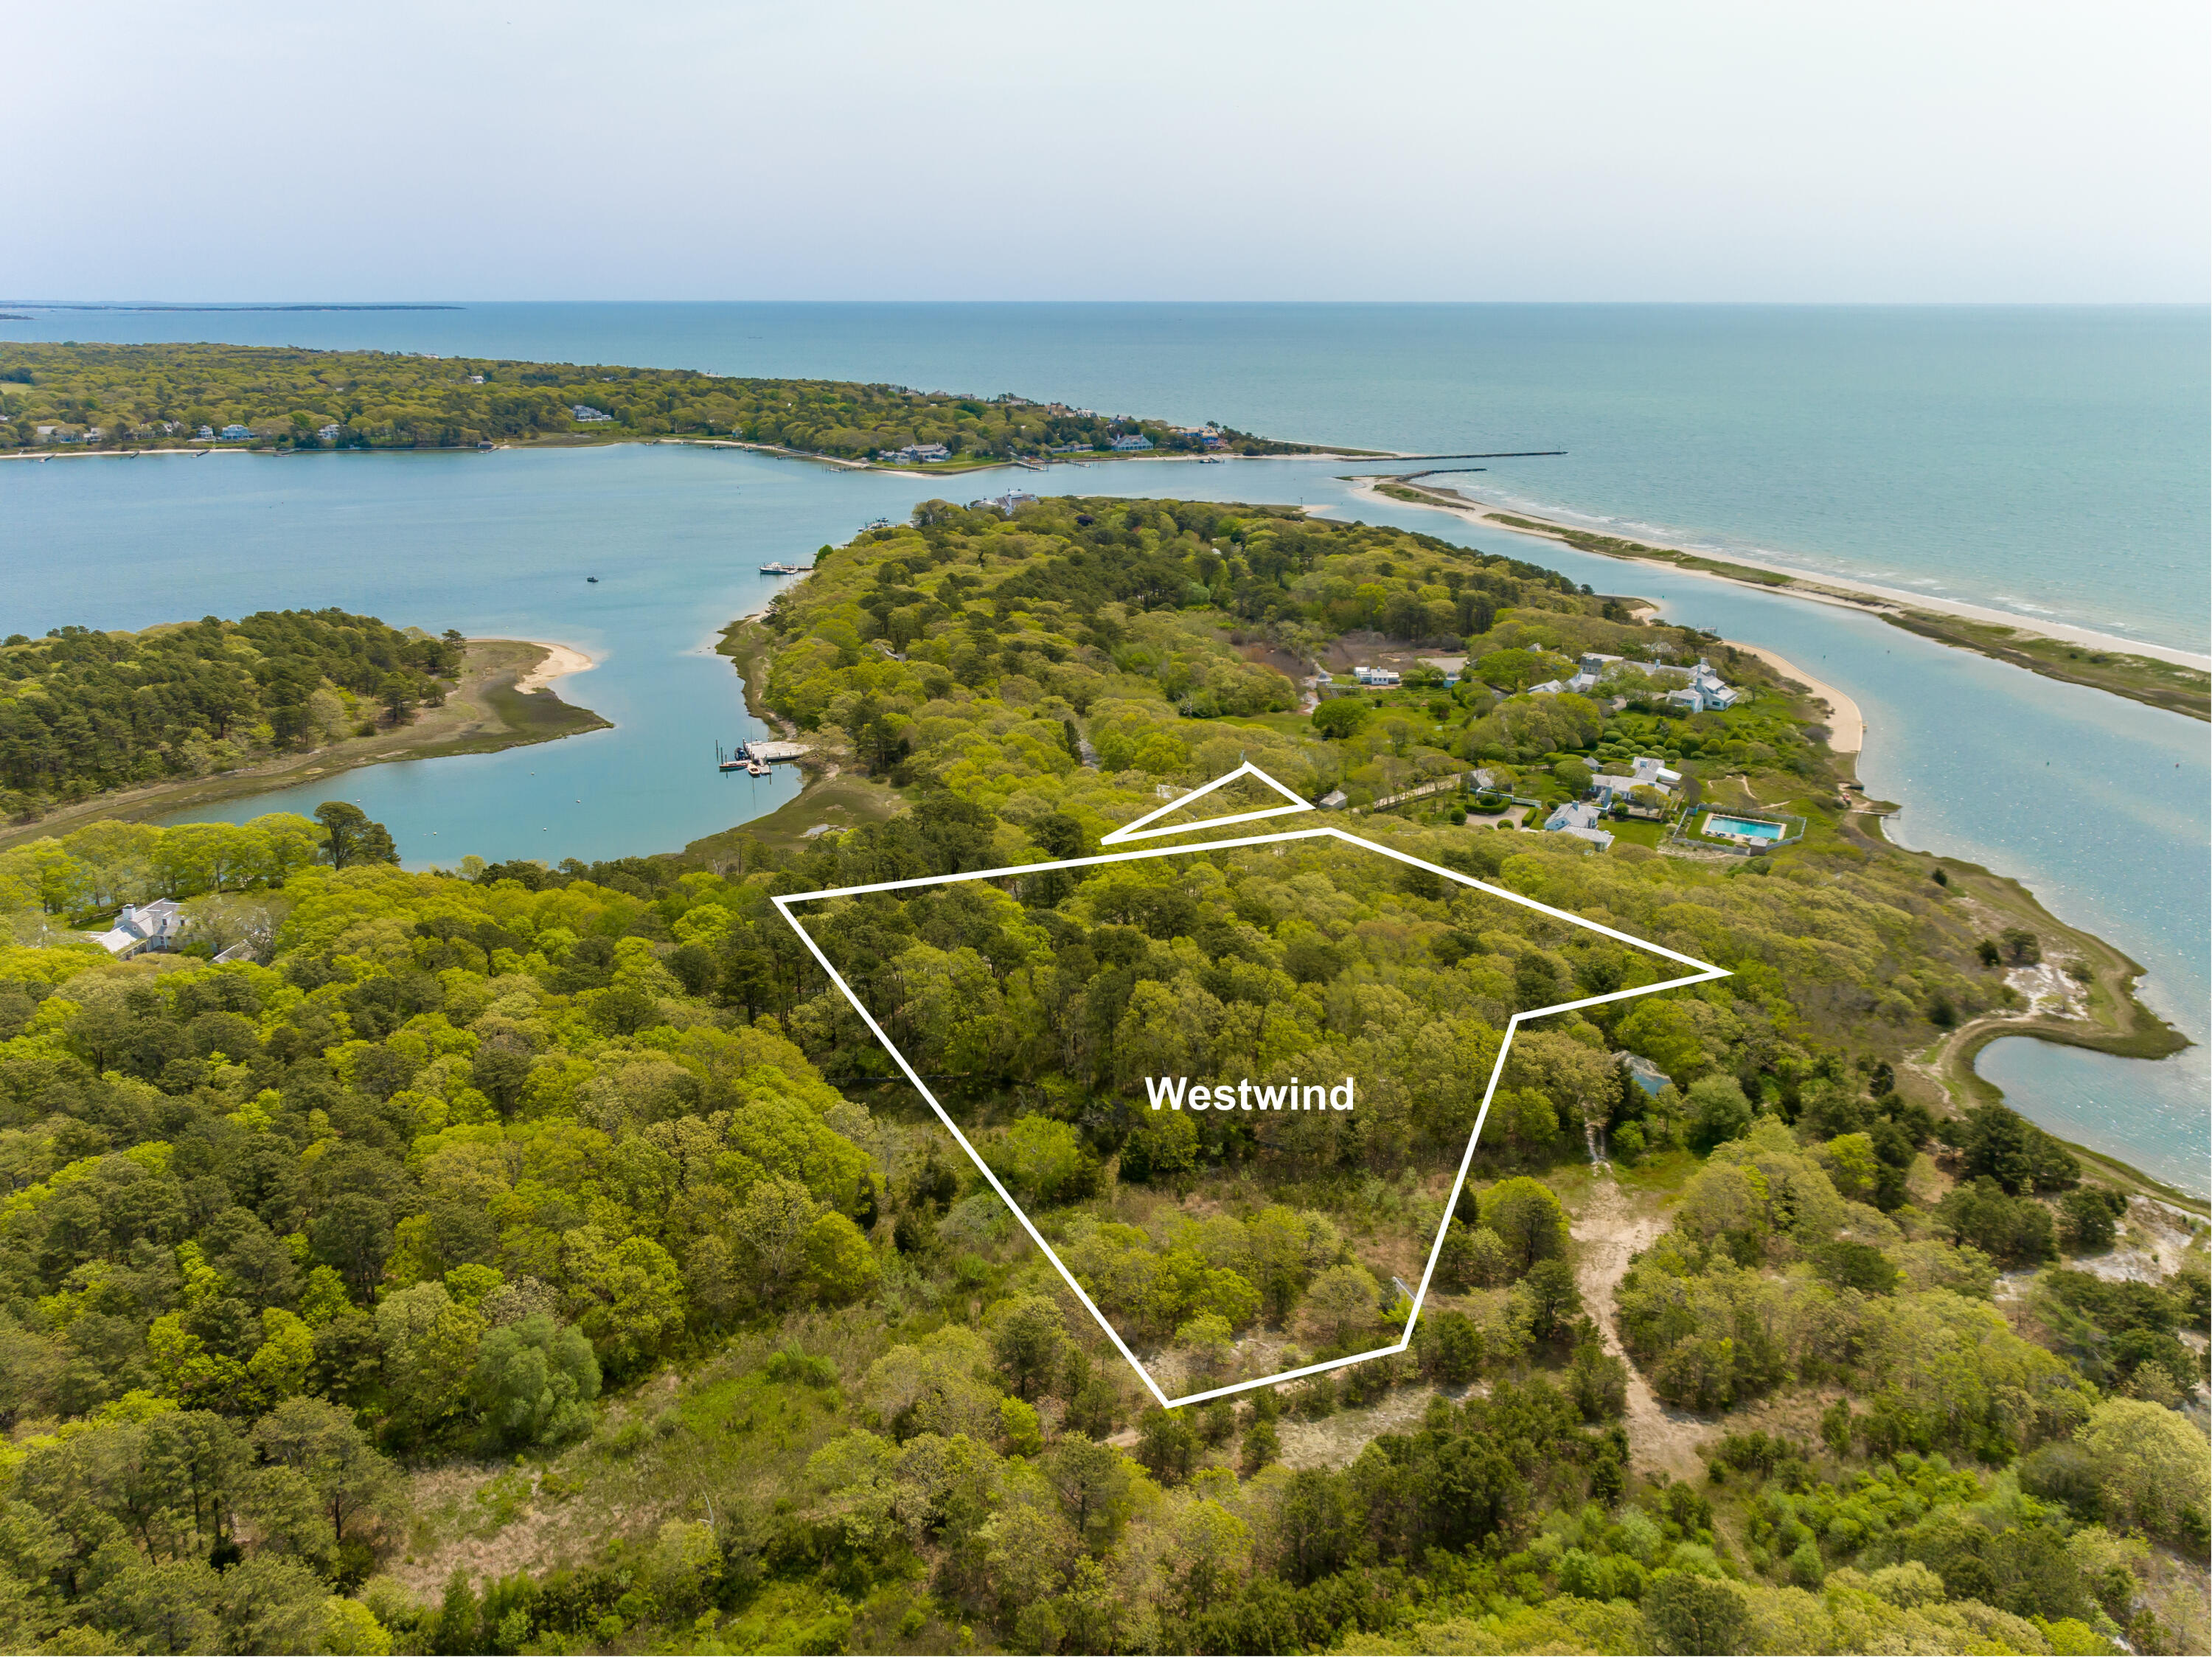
[{"x": 1746, "y": 828}]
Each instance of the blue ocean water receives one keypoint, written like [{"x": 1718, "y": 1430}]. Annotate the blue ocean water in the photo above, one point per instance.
[
  {"x": 2047, "y": 460},
  {"x": 1861, "y": 437}
]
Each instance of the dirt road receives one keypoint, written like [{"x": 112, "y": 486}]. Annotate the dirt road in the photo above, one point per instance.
[{"x": 1607, "y": 1232}]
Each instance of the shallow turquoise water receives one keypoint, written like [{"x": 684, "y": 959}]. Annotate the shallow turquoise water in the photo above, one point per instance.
[
  {"x": 2051, "y": 460},
  {"x": 2098, "y": 804}
]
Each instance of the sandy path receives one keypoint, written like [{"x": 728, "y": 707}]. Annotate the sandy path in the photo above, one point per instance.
[
  {"x": 561, "y": 660},
  {"x": 1846, "y": 725},
  {"x": 1605, "y": 1233}
]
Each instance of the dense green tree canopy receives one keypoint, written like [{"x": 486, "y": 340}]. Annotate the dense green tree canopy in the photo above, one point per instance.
[
  {"x": 82, "y": 711},
  {"x": 286, "y": 397}
]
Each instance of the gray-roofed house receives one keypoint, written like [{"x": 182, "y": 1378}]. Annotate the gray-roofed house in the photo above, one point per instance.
[
  {"x": 1580, "y": 818},
  {"x": 1646, "y": 772},
  {"x": 159, "y": 925}
]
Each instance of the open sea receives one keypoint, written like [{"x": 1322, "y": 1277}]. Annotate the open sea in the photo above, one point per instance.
[{"x": 2053, "y": 462}]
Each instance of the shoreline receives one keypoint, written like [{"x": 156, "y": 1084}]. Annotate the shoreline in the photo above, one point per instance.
[
  {"x": 2120, "y": 1024},
  {"x": 558, "y": 662},
  {"x": 1910, "y": 612},
  {"x": 1840, "y": 591},
  {"x": 491, "y": 708},
  {"x": 1847, "y": 727}
]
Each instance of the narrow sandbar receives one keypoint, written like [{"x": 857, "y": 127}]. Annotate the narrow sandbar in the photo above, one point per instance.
[
  {"x": 1816, "y": 587},
  {"x": 559, "y": 661}
]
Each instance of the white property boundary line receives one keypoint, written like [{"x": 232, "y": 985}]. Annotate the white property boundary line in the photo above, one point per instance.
[
  {"x": 1136, "y": 831},
  {"x": 1705, "y": 972}
]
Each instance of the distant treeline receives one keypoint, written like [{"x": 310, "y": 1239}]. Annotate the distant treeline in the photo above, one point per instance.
[
  {"x": 82, "y": 711},
  {"x": 273, "y": 397}
]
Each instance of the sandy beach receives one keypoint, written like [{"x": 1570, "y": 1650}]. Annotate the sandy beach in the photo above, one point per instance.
[
  {"x": 1817, "y": 588},
  {"x": 1846, "y": 725},
  {"x": 561, "y": 660}
]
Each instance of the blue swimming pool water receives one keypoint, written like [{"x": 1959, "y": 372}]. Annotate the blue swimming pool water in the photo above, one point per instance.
[
  {"x": 1981, "y": 454},
  {"x": 1716, "y": 824}
]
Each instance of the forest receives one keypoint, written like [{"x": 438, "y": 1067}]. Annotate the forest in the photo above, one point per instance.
[
  {"x": 286, "y": 397},
  {"x": 82, "y": 711},
  {"x": 544, "y": 1257}
]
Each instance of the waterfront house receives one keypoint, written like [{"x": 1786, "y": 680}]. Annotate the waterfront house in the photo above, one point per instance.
[
  {"x": 1579, "y": 818},
  {"x": 1705, "y": 692},
  {"x": 1130, "y": 442},
  {"x": 204, "y": 433},
  {"x": 585, "y": 414},
  {"x": 329, "y": 433},
  {"x": 139, "y": 928},
  {"x": 235, "y": 433},
  {"x": 1006, "y": 503},
  {"x": 918, "y": 454}
]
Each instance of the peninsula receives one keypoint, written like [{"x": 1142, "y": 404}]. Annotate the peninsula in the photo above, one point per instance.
[
  {"x": 150, "y": 397},
  {"x": 566, "y": 1214},
  {"x": 136, "y": 726}
]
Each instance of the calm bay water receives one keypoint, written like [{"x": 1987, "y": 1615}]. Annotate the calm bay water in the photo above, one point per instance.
[
  {"x": 2040, "y": 457},
  {"x": 2048, "y": 460}
]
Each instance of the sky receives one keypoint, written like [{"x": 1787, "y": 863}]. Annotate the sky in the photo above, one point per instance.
[{"x": 1595, "y": 152}]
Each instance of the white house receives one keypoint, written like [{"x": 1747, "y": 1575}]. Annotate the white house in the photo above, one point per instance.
[
  {"x": 1130, "y": 442},
  {"x": 1705, "y": 691},
  {"x": 1382, "y": 678},
  {"x": 1334, "y": 800},
  {"x": 1702, "y": 690},
  {"x": 1646, "y": 772},
  {"x": 1579, "y": 818},
  {"x": 329, "y": 434},
  {"x": 142, "y": 927},
  {"x": 1006, "y": 502}
]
